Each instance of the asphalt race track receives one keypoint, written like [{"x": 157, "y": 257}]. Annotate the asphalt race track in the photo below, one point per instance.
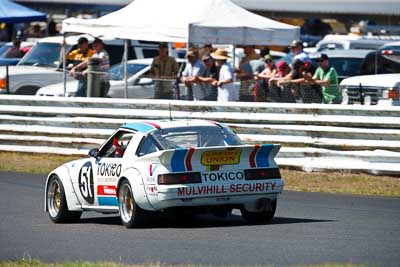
[{"x": 309, "y": 228}]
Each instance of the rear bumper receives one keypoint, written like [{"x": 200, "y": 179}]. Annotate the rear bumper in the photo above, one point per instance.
[{"x": 216, "y": 194}]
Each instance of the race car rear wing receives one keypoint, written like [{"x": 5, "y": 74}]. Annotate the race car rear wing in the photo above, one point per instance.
[{"x": 220, "y": 158}]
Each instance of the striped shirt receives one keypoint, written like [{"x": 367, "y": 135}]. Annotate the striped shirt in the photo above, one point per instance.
[{"x": 104, "y": 64}]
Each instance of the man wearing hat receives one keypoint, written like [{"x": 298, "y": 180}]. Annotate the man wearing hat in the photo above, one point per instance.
[
  {"x": 164, "y": 70},
  {"x": 226, "y": 87},
  {"x": 194, "y": 68},
  {"x": 326, "y": 77}
]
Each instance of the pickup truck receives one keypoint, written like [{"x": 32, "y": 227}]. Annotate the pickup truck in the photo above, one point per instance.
[{"x": 380, "y": 89}]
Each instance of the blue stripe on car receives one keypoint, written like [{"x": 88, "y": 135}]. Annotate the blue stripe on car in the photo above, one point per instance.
[
  {"x": 108, "y": 201},
  {"x": 178, "y": 160},
  {"x": 263, "y": 155},
  {"x": 139, "y": 126}
]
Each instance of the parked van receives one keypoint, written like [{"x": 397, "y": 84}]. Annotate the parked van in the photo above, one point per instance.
[
  {"x": 331, "y": 42},
  {"x": 381, "y": 89},
  {"x": 42, "y": 66}
]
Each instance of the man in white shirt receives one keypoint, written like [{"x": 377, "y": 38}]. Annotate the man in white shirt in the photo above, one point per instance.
[
  {"x": 194, "y": 68},
  {"x": 226, "y": 87}
]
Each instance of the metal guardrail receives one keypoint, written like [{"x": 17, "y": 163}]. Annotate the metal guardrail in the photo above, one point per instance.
[{"x": 313, "y": 136}]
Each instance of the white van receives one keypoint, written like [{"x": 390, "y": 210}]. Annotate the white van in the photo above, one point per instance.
[
  {"x": 380, "y": 89},
  {"x": 332, "y": 41},
  {"x": 41, "y": 66}
]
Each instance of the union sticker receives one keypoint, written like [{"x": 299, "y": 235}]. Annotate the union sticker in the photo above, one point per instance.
[{"x": 217, "y": 157}]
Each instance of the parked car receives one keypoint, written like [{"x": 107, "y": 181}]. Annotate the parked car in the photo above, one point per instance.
[
  {"x": 347, "y": 63},
  {"x": 138, "y": 86},
  {"x": 192, "y": 166},
  {"x": 381, "y": 61},
  {"x": 25, "y": 47},
  {"x": 381, "y": 89},
  {"x": 41, "y": 66}
]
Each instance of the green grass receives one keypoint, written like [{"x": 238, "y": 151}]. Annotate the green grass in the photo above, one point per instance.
[
  {"x": 330, "y": 182},
  {"x": 35, "y": 263}
]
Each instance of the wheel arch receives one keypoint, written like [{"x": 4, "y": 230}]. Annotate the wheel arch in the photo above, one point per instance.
[
  {"x": 27, "y": 90},
  {"x": 62, "y": 173},
  {"x": 138, "y": 187}
]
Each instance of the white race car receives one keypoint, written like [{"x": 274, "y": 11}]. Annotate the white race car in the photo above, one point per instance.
[{"x": 179, "y": 165}]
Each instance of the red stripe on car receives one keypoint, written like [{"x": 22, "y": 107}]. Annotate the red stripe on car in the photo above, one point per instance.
[{"x": 253, "y": 156}]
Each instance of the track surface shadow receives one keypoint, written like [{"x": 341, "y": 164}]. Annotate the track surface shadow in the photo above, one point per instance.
[{"x": 198, "y": 221}]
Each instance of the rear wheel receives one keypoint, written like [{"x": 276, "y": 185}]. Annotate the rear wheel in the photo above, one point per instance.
[
  {"x": 57, "y": 204},
  {"x": 264, "y": 216},
  {"x": 131, "y": 214}
]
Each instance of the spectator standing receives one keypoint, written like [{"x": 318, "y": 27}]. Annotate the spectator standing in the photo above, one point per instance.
[
  {"x": 226, "y": 87},
  {"x": 194, "y": 68},
  {"x": 15, "y": 50},
  {"x": 245, "y": 74},
  {"x": 296, "y": 47},
  {"x": 296, "y": 76},
  {"x": 102, "y": 54},
  {"x": 275, "y": 92},
  {"x": 269, "y": 69},
  {"x": 210, "y": 77},
  {"x": 262, "y": 77},
  {"x": 164, "y": 70},
  {"x": 78, "y": 57},
  {"x": 207, "y": 49},
  {"x": 326, "y": 77}
]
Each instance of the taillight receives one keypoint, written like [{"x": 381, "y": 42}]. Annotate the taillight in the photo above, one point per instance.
[
  {"x": 3, "y": 83},
  {"x": 393, "y": 93},
  {"x": 387, "y": 52},
  {"x": 262, "y": 174},
  {"x": 179, "y": 178}
]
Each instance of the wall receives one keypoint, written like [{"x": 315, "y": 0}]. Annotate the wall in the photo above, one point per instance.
[{"x": 313, "y": 136}]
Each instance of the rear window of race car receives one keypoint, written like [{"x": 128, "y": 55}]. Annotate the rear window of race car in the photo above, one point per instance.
[{"x": 184, "y": 137}]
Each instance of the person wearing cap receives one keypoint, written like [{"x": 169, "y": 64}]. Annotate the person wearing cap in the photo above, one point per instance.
[
  {"x": 296, "y": 47},
  {"x": 269, "y": 70},
  {"x": 79, "y": 57},
  {"x": 326, "y": 77},
  {"x": 245, "y": 73},
  {"x": 296, "y": 76},
  {"x": 194, "y": 68},
  {"x": 210, "y": 76},
  {"x": 164, "y": 70},
  {"x": 282, "y": 71},
  {"x": 264, "y": 76},
  {"x": 207, "y": 49},
  {"x": 226, "y": 87}
]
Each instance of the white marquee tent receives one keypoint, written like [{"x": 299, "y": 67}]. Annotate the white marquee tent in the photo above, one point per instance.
[{"x": 193, "y": 21}]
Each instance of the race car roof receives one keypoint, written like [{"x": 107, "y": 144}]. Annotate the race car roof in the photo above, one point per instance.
[{"x": 148, "y": 126}]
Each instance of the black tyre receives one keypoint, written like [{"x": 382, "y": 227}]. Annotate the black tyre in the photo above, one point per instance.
[
  {"x": 131, "y": 214},
  {"x": 261, "y": 216},
  {"x": 57, "y": 204}
]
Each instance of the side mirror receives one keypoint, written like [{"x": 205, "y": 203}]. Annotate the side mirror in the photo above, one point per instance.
[{"x": 94, "y": 152}]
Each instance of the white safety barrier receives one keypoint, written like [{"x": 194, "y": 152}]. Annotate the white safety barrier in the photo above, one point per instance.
[{"x": 313, "y": 136}]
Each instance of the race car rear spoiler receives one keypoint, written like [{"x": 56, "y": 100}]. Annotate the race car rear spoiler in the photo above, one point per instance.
[{"x": 216, "y": 158}]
